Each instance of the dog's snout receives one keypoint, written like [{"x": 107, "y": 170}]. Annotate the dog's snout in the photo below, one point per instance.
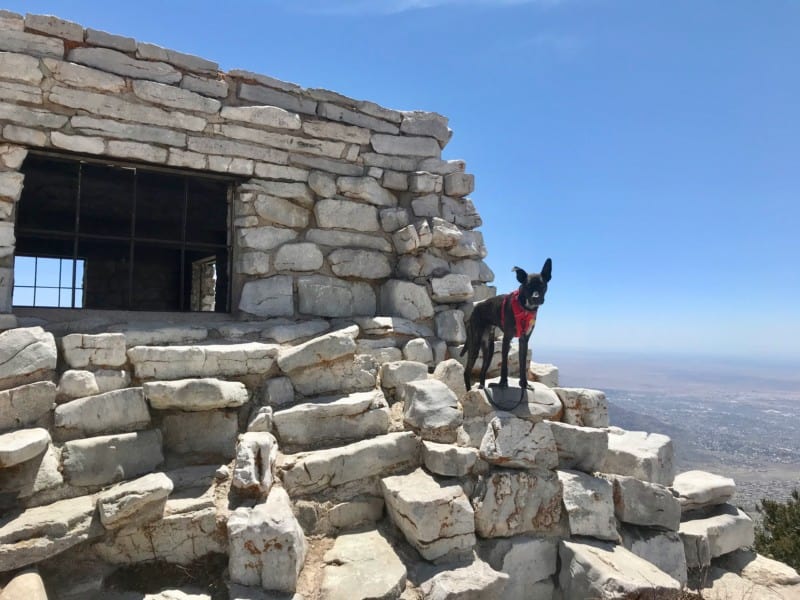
[{"x": 535, "y": 294}]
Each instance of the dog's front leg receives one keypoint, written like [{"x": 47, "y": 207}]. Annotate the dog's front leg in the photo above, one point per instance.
[
  {"x": 504, "y": 360},
  {"x": 523, "y": 361}
]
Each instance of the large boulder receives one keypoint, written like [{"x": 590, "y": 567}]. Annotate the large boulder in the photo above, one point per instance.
[
  {"x": 664, "y": 549},
  {"x": 528, "y": 561},
  {"x": 648, "y": 504},
  {"x": 137, "y": 501},
  {"x": 322, "y": 349},
  {"x": 434, "y": 516},
  {"x": 448, "y": 460},
  {"x": 267, "y": 547}
]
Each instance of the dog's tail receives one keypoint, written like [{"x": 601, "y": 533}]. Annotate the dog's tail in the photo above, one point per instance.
[{"x": 469, "y": 340}]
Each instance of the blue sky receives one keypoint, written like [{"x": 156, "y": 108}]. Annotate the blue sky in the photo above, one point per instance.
[{"x": 652, "y": 149}]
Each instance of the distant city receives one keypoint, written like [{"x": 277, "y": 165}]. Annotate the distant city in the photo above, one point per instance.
[{"x": 733, "y": 417}]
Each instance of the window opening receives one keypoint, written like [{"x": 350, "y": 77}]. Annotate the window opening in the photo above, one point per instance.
[{"x": 129, "y": 238}]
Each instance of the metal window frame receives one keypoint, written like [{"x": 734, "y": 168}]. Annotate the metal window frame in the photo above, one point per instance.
[{"x": 76, "y": 235}]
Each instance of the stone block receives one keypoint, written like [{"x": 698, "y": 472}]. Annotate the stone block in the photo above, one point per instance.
[
  {"x": 223, "y": 360},
  {"x": 54, "y": 26},
  {"x": 513, "y": 502},
  {"x": 278, "y": 391},
  {"x": 79, "y": 76},
  {"x": 107, "y": 459},
  {"x": 418, "y": 350},
  {"x": 396, "y": 373},
  {"x": 427, "y": 124},
  {"x": 342, "y": 376},
  {"x": 451, "y": 373},
  {"x": 451, "y": 288},
  {"x": 405, "y": 299},
  {"x": 448, "y": 460},
  {"x": 540, "y": 402},
  {"x": 339, "y": 239},
  {"x": 102, "y": 350},
  {"x": 174, "y": 97},
  {"x": 95, "y": 37},
  {"x": 587, "y": 408},
  {"x": 344, "y": 214},
  {"x": 119, "y": 63},
  {"x": 267, "y": 547},
  {"x": 280, "y": 211},
  {"x": 543, "y": 373},
  {"x": 580, "y": 448},
  {"x": 405, "y": 145},
  {"x": 26, "y": 405},
  {"x": 206, "y": 86},
  {"x": 367, "y": 189},
  {"x": 323, "y": 296},
  {"x": 303, "y": 256},
  {"x": 646, "y": 456},
  {"x": 324, "y": 348},
  {"x": 450, "y": 326},
  {"x": 459, "y": 184},
  {"x": 477, "y": 580},
  {"x": 134, "y": 502},
  {"x": 515, "y": 443},
  {"x": 435, "y": 517},
  {"x": 528, "y": 561},
  {"x": 25, "y": 585},
  {"x": 311, "y": 472},
  {"x": 254, "y": 469},
  {"x": 334, "y": 112},
  {"x": 20, "y": 67},
  {"x": 664, "y": 549},
  {"x": 712, "y": 533},
  {"x": 270, "y": 297},
  {"x": 26, "y": 354},
  {"x": 393, "y": 219},
  {"x": 30, "y": 43},
  {"x": 360, "y": 566},
  {"x": 186, "y": 62},
  {"x": 268, "y": 116},
  {"x": 604, "y": 571},
  {"x": 648, "y": 504},
  {"x": 406, "y": 240},
  {"x": 589, "y": 503},
  {"x": 272, "y": 97},
  {"x": 44, "y": 531},
  {"x": 333, "y": 419},
  {"x": 195, "y": 394},
  {"x": 460, "y": 211},
  {"x": 118, "y": 411},
  {"x": 431, "y": 408},
  {"x": 22, "y": 445},
  {"x": 362, "y": 264},
  {"x": 700, "y": 489},
  {"x": 447, "y": 235}
]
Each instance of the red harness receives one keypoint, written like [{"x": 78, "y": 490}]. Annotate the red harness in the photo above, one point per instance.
[{"x": 524, "y": 319}]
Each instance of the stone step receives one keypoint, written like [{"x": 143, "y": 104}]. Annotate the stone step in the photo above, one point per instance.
[
  {"x": 23, "y": 445},
  {"x": 435, "y": 516},
  {"x": 311, "y": 472},
  {"x": 41, "y": 532},
  {"x": 700, "y": 489},
  {"x": 119, "y": 411},
  {"x": 604, "y": 571},
  {"x": 27, "y": 354},
  {"x": 214, "y": 360},
  {"x": 327, "y": 420},
  {"x": 476, "y": 581},
  {"x": 362, "y": 566},
  {"x": 714, "y": 532}
]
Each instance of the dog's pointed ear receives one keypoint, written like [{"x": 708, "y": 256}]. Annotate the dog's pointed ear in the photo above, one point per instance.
[
  {"x": 522, "y": 276},
  {"x": 547, "y": 270}
]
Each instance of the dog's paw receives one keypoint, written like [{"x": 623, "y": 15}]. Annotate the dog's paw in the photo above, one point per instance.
[
  {"x": 523, "y": 384},
  {"x": 503, "y": 383}
]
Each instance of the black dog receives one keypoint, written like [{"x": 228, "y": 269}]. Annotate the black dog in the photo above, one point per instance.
[{"x": 515, "y": 314}]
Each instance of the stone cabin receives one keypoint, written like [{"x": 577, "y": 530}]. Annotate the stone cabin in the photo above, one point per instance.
[{"x": 137, "y": 178}]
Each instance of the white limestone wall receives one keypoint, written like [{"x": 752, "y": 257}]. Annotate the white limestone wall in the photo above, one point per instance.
[{"x": 344, "y": 208}]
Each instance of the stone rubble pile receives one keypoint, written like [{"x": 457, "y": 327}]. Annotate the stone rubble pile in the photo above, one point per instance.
[{"x": 321, "y": 439}]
